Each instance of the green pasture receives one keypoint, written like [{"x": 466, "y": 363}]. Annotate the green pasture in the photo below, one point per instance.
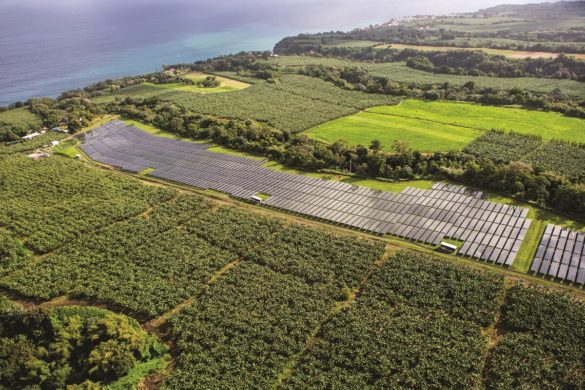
[
  {"x": 549, "y": 125},
  {"x": 422, "y": 135}
]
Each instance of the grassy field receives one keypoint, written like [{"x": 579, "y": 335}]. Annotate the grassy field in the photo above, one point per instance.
[
  {"x": 192, "y": 88},
  {"x": 502, "y": 52},
  {"x": 363, "y": 127},
  {"x": 67, "y": 148},
  {"x": 154, "y": 130},
  {"x": 549, "y": 125},
  {"x": 148, "y": 90},
  {"x": 224, "y": 82},
  {"x": 444, "y": 126},
  {"x": 220, "y": 149},
  {"x": 19, "y": 117}
]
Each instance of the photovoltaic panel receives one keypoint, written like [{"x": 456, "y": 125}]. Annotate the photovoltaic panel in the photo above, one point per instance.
[
  {"x": 559, "y": 255},
  {"x": 424, "y": 215}
]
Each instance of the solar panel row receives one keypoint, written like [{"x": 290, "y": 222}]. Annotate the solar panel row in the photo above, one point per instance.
[
  {"x": 561, "y": 254},
  {"x": 491, "y": 231}
]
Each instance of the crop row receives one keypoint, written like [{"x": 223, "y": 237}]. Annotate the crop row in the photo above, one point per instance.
[
  {"x": 416, "y": 324},
  {"x": 293, "y": 103},
  {"x": 543, "y": 344},
  {"x": 52, "y": 201},
  {"x": 162, "y": 252},
  {"x": 561, "y": 157}
]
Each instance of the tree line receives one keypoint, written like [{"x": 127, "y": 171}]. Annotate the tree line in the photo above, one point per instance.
[
  {"x": 355, "y": 77},
  {"x": 569, "y": 41}
]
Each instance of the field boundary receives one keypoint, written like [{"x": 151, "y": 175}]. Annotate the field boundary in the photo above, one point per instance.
[
  {"x": 157, "y": 323},
  {"x": 337, "y": 308}
]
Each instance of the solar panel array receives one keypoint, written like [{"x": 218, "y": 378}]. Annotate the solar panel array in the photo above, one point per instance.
[
  {"x": 491, "y": 231},
  {"x": 561, "y": 254}
]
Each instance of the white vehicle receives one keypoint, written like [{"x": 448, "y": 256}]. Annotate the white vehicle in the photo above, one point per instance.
[{"x": 448, "y": 247}]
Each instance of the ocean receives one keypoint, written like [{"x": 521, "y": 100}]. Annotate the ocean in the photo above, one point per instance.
[{"x": 47, "y": 47}]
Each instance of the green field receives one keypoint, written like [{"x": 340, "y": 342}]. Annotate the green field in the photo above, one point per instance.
[
  {"x": 398, "y": 71},
  {"x": 549, "y": 125},
  {"x": 443, "y": 126},
  {"x": 190, "y": 88},
  {"x": 293, "y": 103},
  {"x": 362, "y": 128},
  {"x": 19, "y": 117},
  {"x": 502, "y": 52}
]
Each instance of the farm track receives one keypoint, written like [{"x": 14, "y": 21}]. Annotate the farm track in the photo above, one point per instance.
[
  {"x": 156, "y": 324},
  {"x": 494, "y": 332},
  {"x": 337, "y": 308}
]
